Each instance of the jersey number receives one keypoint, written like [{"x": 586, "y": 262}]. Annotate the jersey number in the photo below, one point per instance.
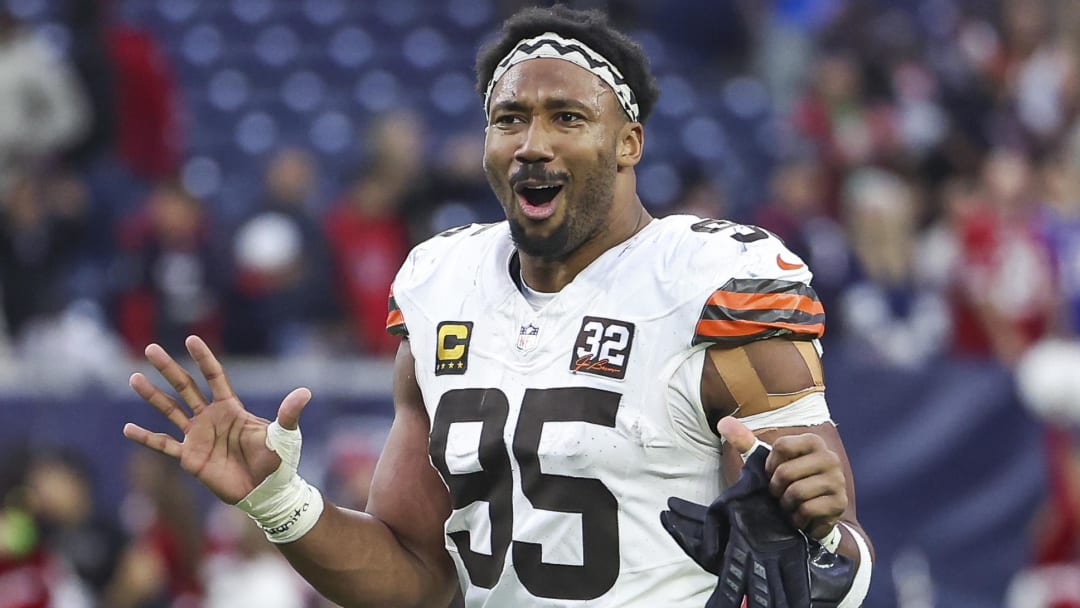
[
  {"x": 585, "y": 496},
  {"x": 714, "y": 226},
  {"x": 604, "y": 343}
]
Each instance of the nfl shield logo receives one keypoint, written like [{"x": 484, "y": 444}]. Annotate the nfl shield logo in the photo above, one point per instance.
[{"x": 528, "y": 337}]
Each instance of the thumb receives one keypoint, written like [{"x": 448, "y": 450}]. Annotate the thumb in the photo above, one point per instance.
[
  {"x": 736, "y": 433},
  {"x": 288, "y": 414}
]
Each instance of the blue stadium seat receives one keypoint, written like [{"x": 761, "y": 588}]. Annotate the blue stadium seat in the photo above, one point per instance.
[
  {"x": 332, "y": 132},
  {"x": 303, "y": 91},
  {"x": 277, "y": 45},
  {"x": 256, "y": 133},
  {"x": 397, "y": 14},
  {"x": 201, "y": 175},
  {"x": 655, "y": 49},
  {"x": 229, "y": 89},
  {"x": 453, "y": 93},
  {"x": 351, "y": 47},
  {"x": 377, "y": 90},
  {"x": 202, "y": 45},
  {"x": 470, "y": 14},
  {"x": 252, "y": 11},
  {"x": 705, "y": 138},
  {"x": 325, "y": 12},
  {"x": 678, "y": 97},
  {"x": 176, "y": 11},
  {"x": 425, "y": 47},
  {"x": 746, "y": 98}
]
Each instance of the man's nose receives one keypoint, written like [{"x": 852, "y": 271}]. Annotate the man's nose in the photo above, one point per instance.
[{"x": 535, "y": 145}]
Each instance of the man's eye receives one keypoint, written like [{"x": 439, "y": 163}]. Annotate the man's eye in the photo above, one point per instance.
[
  {"x": 507, "y": 119},
  {"x": 569, "y": 117}
]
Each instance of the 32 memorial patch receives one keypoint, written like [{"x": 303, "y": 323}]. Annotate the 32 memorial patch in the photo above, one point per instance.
[
  {"x": 602, "y": 347},
  {"x": 452, "y": 347}
]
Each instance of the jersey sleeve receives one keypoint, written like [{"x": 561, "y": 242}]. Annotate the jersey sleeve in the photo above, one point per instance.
[
  {"x": 395, "y": 319},
  {"x": 412, "y": 284},
  {"x": 744, "y": 310},
  {"x": 767, "y": 295}
]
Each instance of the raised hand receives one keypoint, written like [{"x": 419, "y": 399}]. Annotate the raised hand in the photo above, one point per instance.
[
  {"x": 804, "y": 475},
  {"x": 224, "y": 445}
]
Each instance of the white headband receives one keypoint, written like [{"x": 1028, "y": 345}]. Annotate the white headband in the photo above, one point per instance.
[{"x": 554, "y": 46}]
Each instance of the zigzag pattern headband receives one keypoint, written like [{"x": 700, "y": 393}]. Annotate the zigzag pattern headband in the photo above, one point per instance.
[{"x": 554, "y": 46}]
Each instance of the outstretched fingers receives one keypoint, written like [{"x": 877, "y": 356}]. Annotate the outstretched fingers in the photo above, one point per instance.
[
  {"x": 159, "y": 442},
  {"x": 210, "y": 367},
  {"x": 178, "y": 378},
  {"x": 161, "y": 402}
]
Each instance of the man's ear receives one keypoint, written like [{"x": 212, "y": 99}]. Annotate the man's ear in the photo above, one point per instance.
[{"x": 631, "y": 144}]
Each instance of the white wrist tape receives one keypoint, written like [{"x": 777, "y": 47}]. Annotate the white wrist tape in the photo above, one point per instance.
[
  {"x": 284, "y": 505},
  {"x": 832, "y": 539},
  {"x": 861, "y": 585}
]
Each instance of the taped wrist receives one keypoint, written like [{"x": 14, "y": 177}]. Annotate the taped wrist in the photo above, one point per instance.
[{"x": 284, "y": 506}]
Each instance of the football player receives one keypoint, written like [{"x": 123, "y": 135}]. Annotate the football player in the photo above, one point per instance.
[{"x": 561, "y": 375}]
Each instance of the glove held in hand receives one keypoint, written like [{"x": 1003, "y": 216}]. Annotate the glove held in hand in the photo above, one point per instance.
[{"x": 745, "y": 539}]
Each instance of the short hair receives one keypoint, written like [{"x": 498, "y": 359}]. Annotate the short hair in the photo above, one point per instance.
[{"x": 590, "y": 27}]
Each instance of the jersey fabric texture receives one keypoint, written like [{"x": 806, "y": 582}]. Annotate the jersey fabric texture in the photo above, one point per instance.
[{"x": 561, "y": 432}]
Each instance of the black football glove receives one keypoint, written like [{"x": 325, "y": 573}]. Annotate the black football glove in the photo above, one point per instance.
[{"x": 744, "y": 538}]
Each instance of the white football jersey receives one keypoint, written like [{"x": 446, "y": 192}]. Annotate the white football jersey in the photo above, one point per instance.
[{"x": 561, "y": 432}]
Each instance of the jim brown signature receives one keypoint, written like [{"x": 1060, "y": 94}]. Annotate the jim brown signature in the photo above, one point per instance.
[{"x": 587, "y": 364}]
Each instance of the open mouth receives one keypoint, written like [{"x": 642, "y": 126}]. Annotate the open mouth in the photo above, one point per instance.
[
  {"x": 538, "y": 196},
  {"x": 538, "y": 201}
]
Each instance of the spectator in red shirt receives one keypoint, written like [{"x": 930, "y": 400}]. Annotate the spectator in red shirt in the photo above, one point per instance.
[
  {"x": 1004, "y": 299},
  {"x": 368, "y": 242},
  {"x": 146, "y": 97}
]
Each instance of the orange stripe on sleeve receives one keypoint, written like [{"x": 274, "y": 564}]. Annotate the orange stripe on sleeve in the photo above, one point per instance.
[
  {"x": 394, "y": 318},
  {"x": 735, "y": 329},
  {"x": 766, "y": 301}
]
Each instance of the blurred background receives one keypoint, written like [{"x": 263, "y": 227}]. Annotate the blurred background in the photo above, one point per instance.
[{"x": 254, "y": 171}]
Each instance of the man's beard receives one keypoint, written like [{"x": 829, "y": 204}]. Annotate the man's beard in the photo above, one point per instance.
[
  {"x": 581, "y": 222},
  {"x": 552, "y": 247}
]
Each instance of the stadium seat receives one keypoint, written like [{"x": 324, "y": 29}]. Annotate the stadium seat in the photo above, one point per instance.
[
  {"x": 176, "y": 11},
  {"x": 201, "y": 175},
  {"x": 377, "y": 90},
  {"x": 202, "y": 45},
  {"x": 229, "y": 89},
  {"x": 252, "y": 11},
  {"x": 425, "y": 47},
  {"x": 256, "y": 133},
  {"x": 303, "y": 91},
  {"x": 332, "y": 132},
  {"x": 351, "y": 47},
  {"x": 452, "y": 93},
  {"x": 470, "y": 14},
  {"x": 277, "y": 45}
]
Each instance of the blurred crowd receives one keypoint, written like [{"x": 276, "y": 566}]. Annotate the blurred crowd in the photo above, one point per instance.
[
  {"x": 60, "y": 548},
  {"x": 924, "y": 161}
]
